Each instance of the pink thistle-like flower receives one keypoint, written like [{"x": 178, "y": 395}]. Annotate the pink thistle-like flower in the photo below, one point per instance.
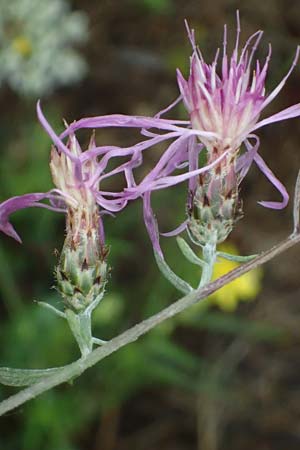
[
  {"x": 225, "y": 105},
  {"x": 228, "y": 101},
  {"x": 77, "y": 176}
]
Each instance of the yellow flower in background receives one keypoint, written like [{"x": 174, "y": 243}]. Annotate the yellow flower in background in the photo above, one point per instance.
[
  {"x": 244, "y": 288},
  {"x": 22, "y": 45}
]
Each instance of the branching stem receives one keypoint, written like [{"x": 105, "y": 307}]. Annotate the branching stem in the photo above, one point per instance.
[{"x": 77, "y": 368}]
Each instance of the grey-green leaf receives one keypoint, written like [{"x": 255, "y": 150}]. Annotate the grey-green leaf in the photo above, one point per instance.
[
  {"x": 235, "y": 258},
  {"x": 168, "y": 273},
  {"x": 25, "y": 377},
  {"x": 188, "y": 252}
]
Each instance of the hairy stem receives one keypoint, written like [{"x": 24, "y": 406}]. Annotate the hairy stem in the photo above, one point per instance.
[
  {"x": 77, "y": 368},
  {"x": 209, "y": 257}
]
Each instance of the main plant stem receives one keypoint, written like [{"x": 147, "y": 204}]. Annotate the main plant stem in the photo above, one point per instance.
[
  {"x": 77, "y": 368},
  {"x": 209, "y": 255}
]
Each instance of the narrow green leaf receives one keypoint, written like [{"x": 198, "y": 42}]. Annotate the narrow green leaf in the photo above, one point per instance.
[
  {"x": 25, "y": 377},
  {"x": 235, "y": 258},
  {"x": 168, "y": 273},
  {"x": 188, "y": 252}
]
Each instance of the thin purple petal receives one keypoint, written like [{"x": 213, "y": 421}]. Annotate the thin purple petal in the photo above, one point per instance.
[
  {"x": 244, "y": 162},
  {"x": 151, "y": 223},
  {"x": 278, "y": 185},
  {"x": 167, "y": 181},
  {"x": 288, "y": 113},
  {"x": 49, "y": 130},
  {"x": 20, "y": 202},
  {"x": 124, "y": 121},
  {"x": 177, "y": 230}
]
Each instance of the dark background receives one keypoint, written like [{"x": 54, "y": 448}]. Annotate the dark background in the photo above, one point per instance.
[{"x": 209, "y": 381}]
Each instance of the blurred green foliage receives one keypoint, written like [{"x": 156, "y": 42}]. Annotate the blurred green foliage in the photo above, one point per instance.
[{"x": 157, "y": 6}]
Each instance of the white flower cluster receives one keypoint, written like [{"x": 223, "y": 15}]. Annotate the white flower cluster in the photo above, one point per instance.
[{"x": 36, "y": 39}]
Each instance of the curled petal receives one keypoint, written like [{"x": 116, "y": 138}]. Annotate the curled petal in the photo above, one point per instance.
[
  {"x": 175, "y": 154},
  {"x": 177, "y": 230},
  {"x": 121, "y": 152},
  {"x": 127, "y": 167},
  {"x": 20, "y": 202},
  {"x": 113, "y": 205},
  {"x": 49, "y": 130},
  {"x": 278, "y": 185}
]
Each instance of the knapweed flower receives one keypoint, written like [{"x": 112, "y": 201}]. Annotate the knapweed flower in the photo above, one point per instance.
[
  {"x": 227, "y": 102},
  {"x": 81, "y": 273},
  {"x": 228, "y": 99},
  {"x": 76, "y": 175},
  {"x": 224, "y": 105}
]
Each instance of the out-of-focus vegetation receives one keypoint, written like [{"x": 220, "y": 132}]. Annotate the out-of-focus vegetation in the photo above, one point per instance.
[
  {"x": 36, "y": 39},
  {"x": 209, "y": 378}
]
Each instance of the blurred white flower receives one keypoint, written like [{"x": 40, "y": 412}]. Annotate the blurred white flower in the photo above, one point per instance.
[{"x": 36, "y": 40}]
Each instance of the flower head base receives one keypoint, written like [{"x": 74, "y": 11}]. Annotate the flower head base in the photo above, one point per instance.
[
  {"x": 82, "y": 271},
  {"x": 214, "y": 206}
]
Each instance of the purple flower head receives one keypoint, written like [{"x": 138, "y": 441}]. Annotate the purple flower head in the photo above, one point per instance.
[
  {"x": 224, "y": 105},
  {"x": 228, "y": 98},
  {"x": 77, "y": 177}
]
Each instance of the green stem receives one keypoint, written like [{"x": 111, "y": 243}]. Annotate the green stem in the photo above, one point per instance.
[
  {"x": 81, "y": 327},
  {"x": 77, "y": 368},
  {"x": 209, "y": 255}
]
